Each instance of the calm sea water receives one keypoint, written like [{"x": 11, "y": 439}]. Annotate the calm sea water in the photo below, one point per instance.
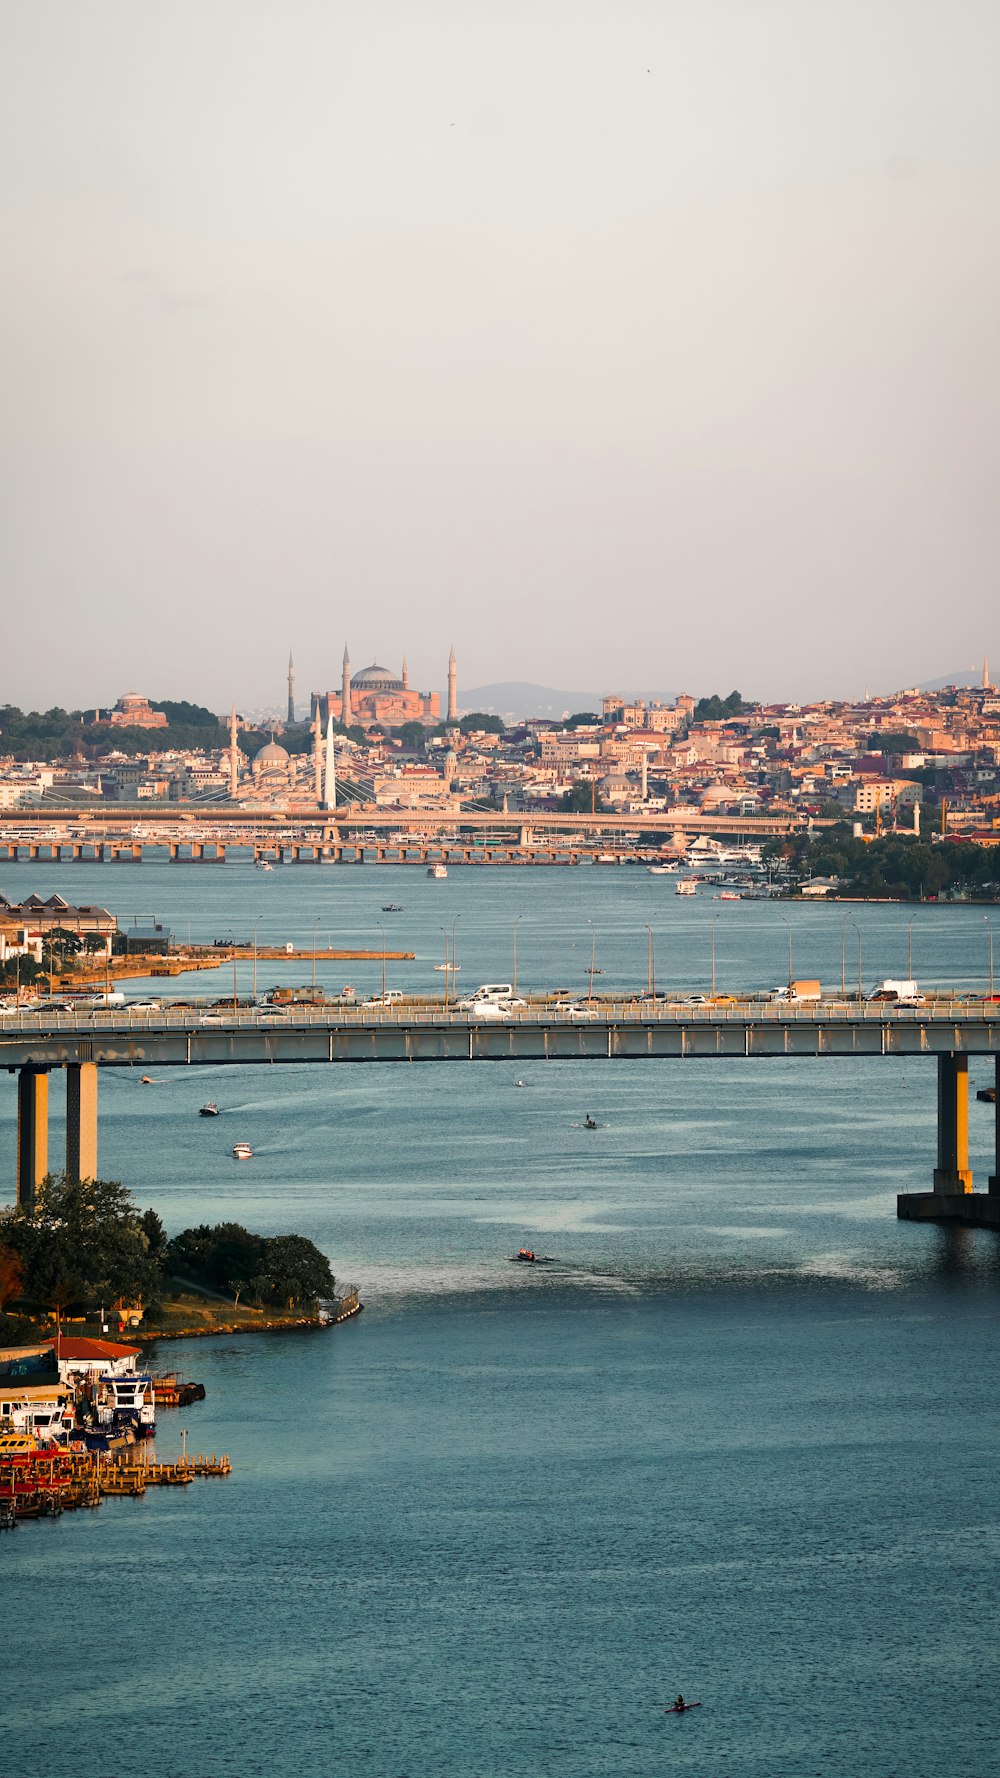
[{"x": 740, "y": 1441}]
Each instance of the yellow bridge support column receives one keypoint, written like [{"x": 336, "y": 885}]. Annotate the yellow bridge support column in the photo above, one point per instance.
[
  {"x": 995, "y": 1174},
  {"x": 953, "y": 1173},
  {"x": 81, "y": 1120},
  {"x": 32, "y": 1133}
]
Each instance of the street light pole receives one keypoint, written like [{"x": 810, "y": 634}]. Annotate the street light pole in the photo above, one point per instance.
[
  {"x": 255, "y": 926},
  {"x": 593, "y": 959},
  {"x": 843, "y": 959},
  {"x": 315, "y": 926},
  {"x": 516, "y": 918},
  {"x": 713, "y": 955},
  {"x": 447, "y": 968},
  {"x": 860, "y": 989},
  {"x": 382, "y": 930},
  {"x": 454, "y": 952},
  {"x": 791, "y": 971},
  {"x": 909, "y": 952},
  {"x": 989, "y": 932}
]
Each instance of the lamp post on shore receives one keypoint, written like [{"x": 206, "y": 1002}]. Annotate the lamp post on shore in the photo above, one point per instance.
[
  {"x": 255, "y": 926},
  {"x": 382, "y": 930},
  {"x": 315, "y": 927},
  {"x": 713, "y": 953},
  {"x": 989, "y": 934},
  {"x": 593, "y": 960},
  {"x": 909, "y": 951},
  {"x": 650, "y": 961},
  {"x": 843, "y": 959}
]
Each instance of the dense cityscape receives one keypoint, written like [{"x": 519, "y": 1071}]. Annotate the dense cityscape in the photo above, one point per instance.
[{"x": 914, "y": 760}]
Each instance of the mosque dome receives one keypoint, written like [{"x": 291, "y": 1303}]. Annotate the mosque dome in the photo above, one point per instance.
[
  {"x": 271, "y": 755},
  {"x": 376, "y": 678}
]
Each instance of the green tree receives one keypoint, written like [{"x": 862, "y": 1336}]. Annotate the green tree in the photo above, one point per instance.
[
  {"x": 83, "y": 1241},
  {"x": 293, "y": 1270},
  {"x": 716, "y": 709},
  {"x": 412, "y": 735},
  {"x": 583, "y": 799}
]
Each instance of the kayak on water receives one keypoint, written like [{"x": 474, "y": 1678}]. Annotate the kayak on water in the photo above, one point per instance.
[{"x": 679, "y": 1709}]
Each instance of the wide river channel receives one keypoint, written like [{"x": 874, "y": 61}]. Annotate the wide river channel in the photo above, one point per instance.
[{"x": 739, "y": 1442}]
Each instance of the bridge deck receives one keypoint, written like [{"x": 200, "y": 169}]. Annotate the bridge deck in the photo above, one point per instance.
[{"x": 615, "y": 1031}]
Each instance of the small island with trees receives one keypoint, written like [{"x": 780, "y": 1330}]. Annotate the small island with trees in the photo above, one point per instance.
[{"x": 85, "y": 1253}]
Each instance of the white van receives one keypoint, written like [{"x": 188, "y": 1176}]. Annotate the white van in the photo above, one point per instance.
[{"x": 495, "y": 992}]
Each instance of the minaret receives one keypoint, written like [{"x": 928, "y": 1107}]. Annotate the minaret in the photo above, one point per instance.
[
  {"x": 986, "y": 674},
  {"x": 317, "y": 758},
  {"x": 406, "y": 676},
  {"x": 330, "y": 775},
  {"x": 291, "y": 687},
  {"x": 234, "y": 768},
  {"x": 452, "y": 687},
  {"x": 345, "y": 694}
]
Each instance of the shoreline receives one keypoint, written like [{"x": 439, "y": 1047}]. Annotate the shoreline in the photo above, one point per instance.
[{"x": 241, "y": 1327}]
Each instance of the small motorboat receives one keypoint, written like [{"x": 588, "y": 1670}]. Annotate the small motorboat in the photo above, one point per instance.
[
  {"x": 526, "y": 1256},
  {"x": 209, "y": 1110},
  {"x": 590, "y": 1123},
  {"x": 448, "y": 968},
  {"x": 242, "y": 1151},
  {"x": 146, "y": 1081},
  {"x": 262, "y": 864},
  {"x": 391, "y": 907},
  {"x": 520, "y": 1083},
  {"x": 437, "y": 870}
]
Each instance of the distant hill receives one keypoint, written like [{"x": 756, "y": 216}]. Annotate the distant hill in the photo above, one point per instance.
[
  {"x": 516, "y": 699},
  {"x": 964, "y": 676}
]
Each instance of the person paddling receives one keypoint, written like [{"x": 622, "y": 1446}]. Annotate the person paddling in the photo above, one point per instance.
[{"x": 679, "y": 1703}]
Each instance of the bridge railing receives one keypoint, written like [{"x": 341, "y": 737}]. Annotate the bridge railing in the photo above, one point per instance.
[{"x": 616, "y": 1011}]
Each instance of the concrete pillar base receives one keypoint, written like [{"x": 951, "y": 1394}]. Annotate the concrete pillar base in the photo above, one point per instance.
[
  {"x": 952, "y": 1179},
  {"x": 975, "y": 1208}
]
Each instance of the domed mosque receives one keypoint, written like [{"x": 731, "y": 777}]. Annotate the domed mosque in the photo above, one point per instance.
[{"x": 375, "y": 695}]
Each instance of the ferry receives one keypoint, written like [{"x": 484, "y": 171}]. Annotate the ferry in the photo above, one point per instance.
[
  {"x": 242, "y": 1151},
  {"x": 437, "y": 870}
]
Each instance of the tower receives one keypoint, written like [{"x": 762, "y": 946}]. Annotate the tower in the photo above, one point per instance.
[
  {"x": 452, "y": 687},
  {"x": 317, "y": 759},
  {"x": 234, "y": 770},
  {"x": 291, "y": 687},
  {"x": 406, "y": 676},
  {"x": 986, "y": 674},
  {"x": 330, "y": 775},
  {"x": 345, "y": 693}
]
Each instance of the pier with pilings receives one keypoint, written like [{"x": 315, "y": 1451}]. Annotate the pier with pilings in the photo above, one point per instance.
[{"x": 35, "y": 1045}]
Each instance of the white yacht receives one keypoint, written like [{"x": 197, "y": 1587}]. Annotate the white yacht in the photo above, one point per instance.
[{"x": 437, "y": 870}]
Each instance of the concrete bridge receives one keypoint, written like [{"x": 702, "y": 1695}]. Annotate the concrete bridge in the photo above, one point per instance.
[
  {"x": 358, "y": 834},
  {"x": 33, "y": 1045}
]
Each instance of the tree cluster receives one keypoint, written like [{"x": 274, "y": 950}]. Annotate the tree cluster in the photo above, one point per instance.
[
  {"x": 716, "y": 709},
  {"x": 266, "y": 1269},
  {"x": 83, "y": 1245},
  {"x": 66, "y": 734},
  {"x": 898, "y": 866}
]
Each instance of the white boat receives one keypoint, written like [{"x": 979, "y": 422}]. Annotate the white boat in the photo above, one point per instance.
[
  {"x": 687, "y": 887},
  {"x": 662, "y": 870},
  {"x": 437, "y": 870},
  {"x": 242, "y": 1151},
  {"x": 448, "y": 968},
  {"x": 262, "y": 864},
  {"x": 209, "y": 1109}
]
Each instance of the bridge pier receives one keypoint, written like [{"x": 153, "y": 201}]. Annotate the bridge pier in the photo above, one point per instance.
[
  {"x": 995, "y": 1174},
  {"x": 953, "y": 1173},
  {"x": 81, "y": 1120},
  {"x": 32, "y": 1133}
]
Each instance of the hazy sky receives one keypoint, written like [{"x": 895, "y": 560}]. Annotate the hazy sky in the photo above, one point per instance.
[{"x": 621, "y": 342}]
